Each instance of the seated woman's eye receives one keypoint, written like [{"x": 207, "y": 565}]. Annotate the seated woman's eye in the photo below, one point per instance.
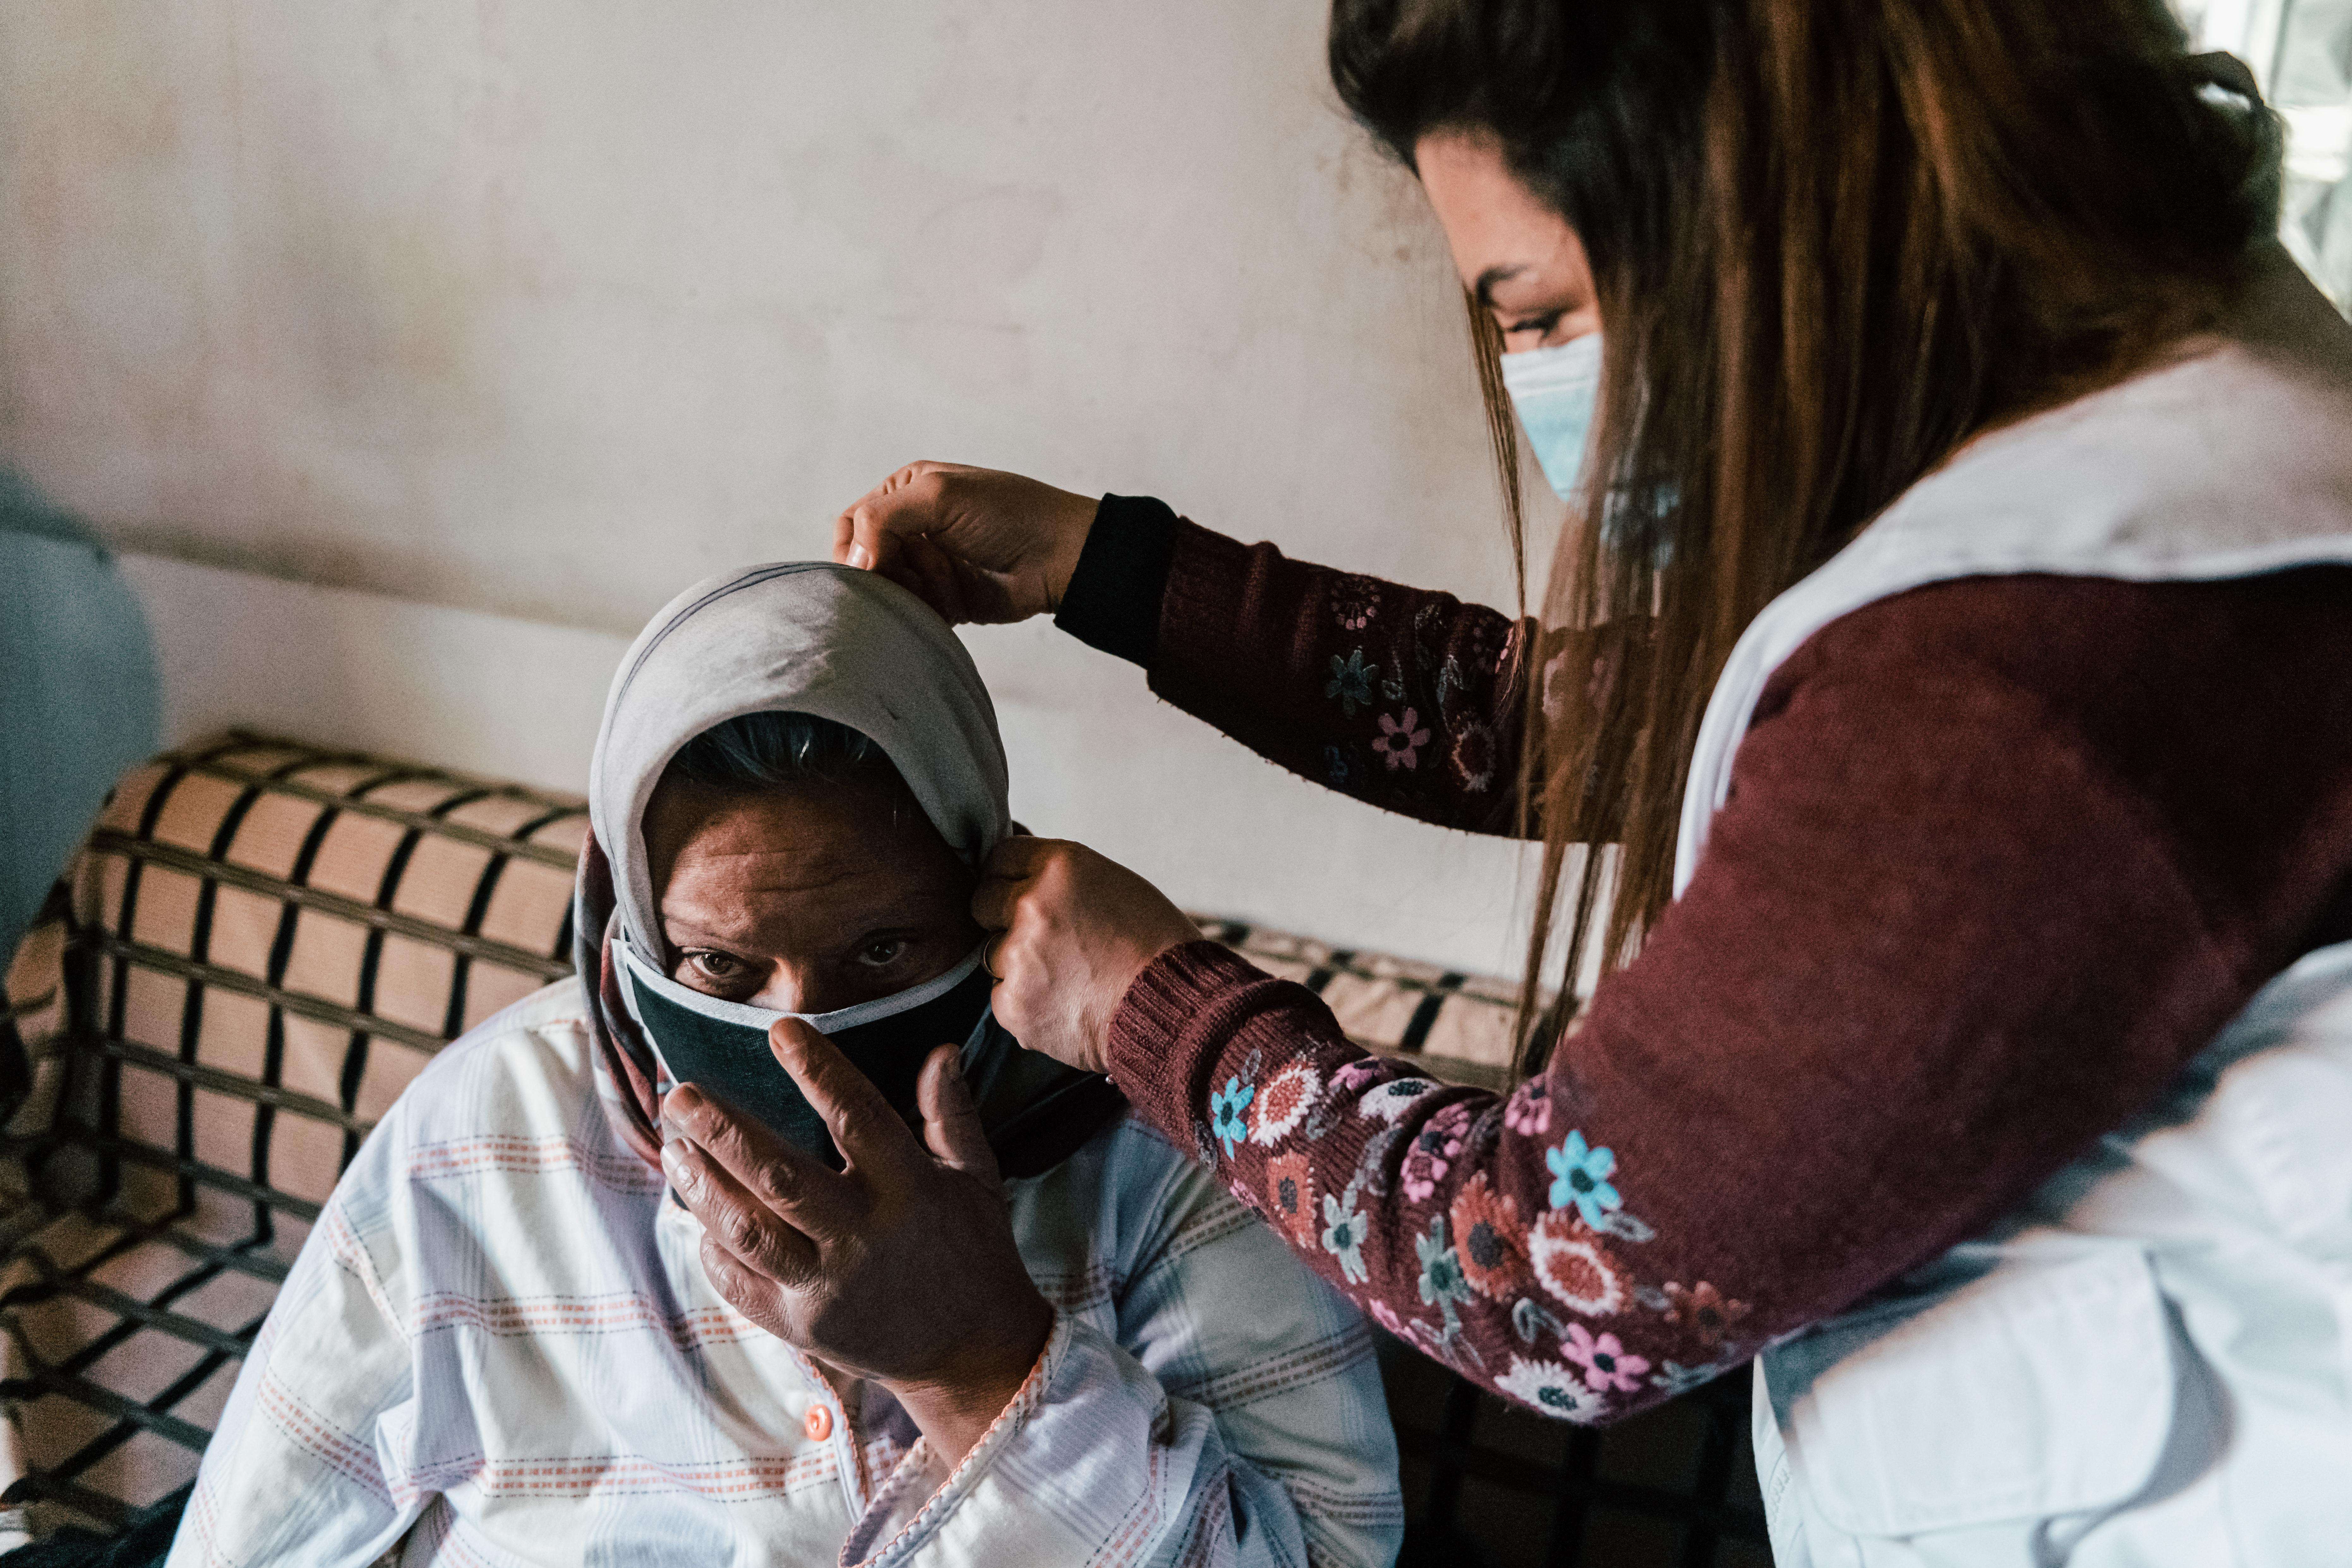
[
  {"x": 883, "y": 953},
  {"x": 714, "y": 966}
]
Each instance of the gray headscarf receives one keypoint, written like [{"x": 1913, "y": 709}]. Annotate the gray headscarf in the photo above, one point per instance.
[{"x": 802, "y": 637}]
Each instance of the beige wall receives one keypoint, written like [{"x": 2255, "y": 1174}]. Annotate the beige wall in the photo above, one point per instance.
[{"x": 535, "y": 311}]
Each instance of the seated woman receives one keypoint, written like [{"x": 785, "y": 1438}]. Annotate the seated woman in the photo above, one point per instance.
[{"x": 503, "y": 1344}]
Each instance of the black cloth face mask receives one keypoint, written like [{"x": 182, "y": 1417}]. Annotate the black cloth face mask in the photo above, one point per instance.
[{"x": 722, "y": 1046}]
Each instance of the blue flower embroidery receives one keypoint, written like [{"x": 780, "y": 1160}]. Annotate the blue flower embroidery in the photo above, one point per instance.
[
  {"x": 1581, "y": 1177},
  {"x": 1442, "y": 1280},
  {"x": 1225, "y": 1108},
  {"x": 1343, "y": 1234},
  {"x": 1335, "y": 766},
  {"x": 1350, "y": 682}
]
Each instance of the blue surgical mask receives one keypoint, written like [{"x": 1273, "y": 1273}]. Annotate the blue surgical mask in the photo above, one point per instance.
[
  {"x": 723, "y": 1045},
  {"x": 1556, "y": 391}
]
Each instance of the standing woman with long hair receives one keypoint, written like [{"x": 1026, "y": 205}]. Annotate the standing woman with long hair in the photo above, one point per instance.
[{"x": 1952, "y": 630}]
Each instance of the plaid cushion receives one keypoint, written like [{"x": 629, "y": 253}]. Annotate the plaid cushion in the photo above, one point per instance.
[{"x": 260, "y": 946}]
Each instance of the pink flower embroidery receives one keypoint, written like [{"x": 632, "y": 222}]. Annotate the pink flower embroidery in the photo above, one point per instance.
[
  {"x": 1435, "y": 1149},
  {"x": 1607, "y": 1364},
  {"x": 1356, "y": 1075},
  {"x": 1400, "y": 742},
  {"x": 1528, "y": 1113}
]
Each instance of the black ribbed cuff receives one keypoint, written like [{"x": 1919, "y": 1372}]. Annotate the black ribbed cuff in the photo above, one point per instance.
[{"x": 1112, "y": 601}]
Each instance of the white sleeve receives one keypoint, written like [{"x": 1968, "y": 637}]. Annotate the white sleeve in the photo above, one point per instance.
[{"x": 305, "y": 1469}]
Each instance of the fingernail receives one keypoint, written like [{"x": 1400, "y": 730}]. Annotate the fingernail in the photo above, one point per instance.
[
  {"x": 859, "y": 557},
  {"x": 673, "y": 1163}
]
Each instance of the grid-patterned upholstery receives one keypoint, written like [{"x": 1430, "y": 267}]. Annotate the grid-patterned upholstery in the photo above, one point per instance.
[
  {"x": 261, "y": 944},
  {"x": 267, "y": 943}
]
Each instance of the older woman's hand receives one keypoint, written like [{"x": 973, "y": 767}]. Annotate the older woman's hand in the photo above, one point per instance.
[
  {"x": 1076, "y": 928},
  {"x": 848, "y": 1265}
]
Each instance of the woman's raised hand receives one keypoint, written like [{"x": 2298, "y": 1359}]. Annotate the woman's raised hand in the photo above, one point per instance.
[{"x": 975, "y": 543}]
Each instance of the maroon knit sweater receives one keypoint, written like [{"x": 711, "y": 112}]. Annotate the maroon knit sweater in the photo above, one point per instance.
[{"x": 2000, "y": 855}]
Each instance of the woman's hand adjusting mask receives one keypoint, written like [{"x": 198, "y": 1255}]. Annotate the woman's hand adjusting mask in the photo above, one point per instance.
[{"x": 1074, "y": 929}]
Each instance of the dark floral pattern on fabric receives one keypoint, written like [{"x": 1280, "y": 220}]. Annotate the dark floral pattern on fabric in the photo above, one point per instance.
[
  {"x": 1473, "y": 756},
  {"x": 1355, "y": 601},
  {"x": 1351, "y": 683},
  {"x": 1409, "y": 700},
  {"x": 1484, "y": 1231},
  {"x": 1704, "y": 1310},
  {"x": 1396, "y": 1189},
  {"x": 1401, "y": 739}
]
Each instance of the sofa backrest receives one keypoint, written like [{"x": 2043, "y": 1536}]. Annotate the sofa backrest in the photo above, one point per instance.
[{"x": 274, "y": 939}]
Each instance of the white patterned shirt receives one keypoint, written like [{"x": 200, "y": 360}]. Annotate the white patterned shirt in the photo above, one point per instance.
[{"x": 498, "y": 1348}]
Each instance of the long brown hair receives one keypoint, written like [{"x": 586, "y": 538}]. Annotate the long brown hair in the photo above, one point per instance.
[{"x": 1831, "y": 240}]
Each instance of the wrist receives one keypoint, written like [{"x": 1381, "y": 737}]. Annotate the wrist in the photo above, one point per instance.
[
  {"x": 954, "y": 1406},
  {"x": 1074, "y": 524}
]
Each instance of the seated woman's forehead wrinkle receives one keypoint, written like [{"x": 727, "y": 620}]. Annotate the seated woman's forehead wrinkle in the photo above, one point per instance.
[{"x": 758, "y": 1240}]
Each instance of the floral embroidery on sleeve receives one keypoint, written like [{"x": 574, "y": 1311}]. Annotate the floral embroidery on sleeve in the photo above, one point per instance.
[
  {"x": 1351, "y": 683},
  {"x": 1398, "y": 740},
  {"x": 1434, "y": 1149},
  {"x": 1608, "y": 1365},
  {"x": 1492, "y": 1242},
  {"x": 1580, "y": 1175},
  {"x": 1290, "y": 1196},
  {"x": 1468, "y": 1255},
  {"x": 1284, "y": 1103},
  {"x": 1574, "y": 1267},
  {"x": 1548, "y": 1387},
  {"x": 1225, "y": 1108},
  {"x": 1704, "y": 1310},
  {"x": 1343, "y": 1234}
]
